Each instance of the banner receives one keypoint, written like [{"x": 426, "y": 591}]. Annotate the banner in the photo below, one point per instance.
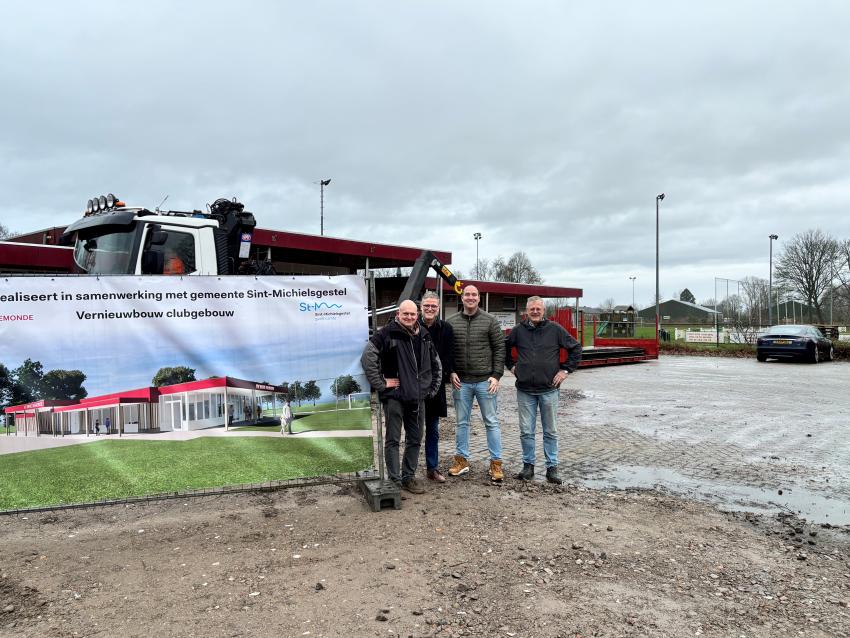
[{"x": 182, "y": 382}]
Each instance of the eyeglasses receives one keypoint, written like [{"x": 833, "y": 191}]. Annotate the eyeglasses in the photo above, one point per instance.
[{"x": 430, "y": 305}]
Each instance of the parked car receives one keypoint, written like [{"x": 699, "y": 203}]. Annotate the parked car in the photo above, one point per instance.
[{"x": 794, "y": 342}]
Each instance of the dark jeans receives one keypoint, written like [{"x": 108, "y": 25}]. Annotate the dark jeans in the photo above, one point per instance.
[
  {"x": 432, "y": 442},
  {"x": 412, "y": 417}
]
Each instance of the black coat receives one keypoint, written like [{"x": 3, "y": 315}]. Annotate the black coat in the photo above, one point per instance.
[
  {"x": 393, "y": 353},
  {"x": 442, "y": 336},
  {"x": 539, "y": 354}
]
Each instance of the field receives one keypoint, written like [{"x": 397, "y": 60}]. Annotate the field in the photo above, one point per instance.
[
  {"x": 114, "y": 469},
  {"x": 325, "y": 418}
]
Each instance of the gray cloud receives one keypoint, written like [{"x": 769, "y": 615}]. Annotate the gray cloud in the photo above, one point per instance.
[{"x": 548, "y": 127}]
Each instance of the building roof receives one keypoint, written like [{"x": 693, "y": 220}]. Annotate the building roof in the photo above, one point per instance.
[
  {"x": 510, "y": 288},
  {"x": 290, "y": 247},
  {"x": 688, "y": 304}
]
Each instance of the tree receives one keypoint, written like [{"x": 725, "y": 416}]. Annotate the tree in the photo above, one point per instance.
[
  {"x": 609, "y": 304},
  {"x": 687, "y": 295},
  {"x": 517, "y": 269},
  {"x": 296, "y": 391},
  {"x": 64, "y": 384},
  {"x": 170, "y": 376},
  {"x": 806, "y": 265},
  {"x": 26, "y": 385},
  {"x": 312, "y": 392},
  {"x": 345, "y": 385},
  {"x": 6, "y": 384},
  {"x": 5, "y": 232},
  {"x": 754, "y": 293}
]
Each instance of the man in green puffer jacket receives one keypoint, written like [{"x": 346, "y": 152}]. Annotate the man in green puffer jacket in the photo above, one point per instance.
[{"x": 479, "y": 359}]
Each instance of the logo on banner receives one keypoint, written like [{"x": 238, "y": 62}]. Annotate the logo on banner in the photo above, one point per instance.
[{"x": 323, "y": 311}]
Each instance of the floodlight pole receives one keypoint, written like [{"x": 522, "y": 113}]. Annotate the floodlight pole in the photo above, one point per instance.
[
  {"x": 633, "y": 291},
  {"x": 770, "y": 284},
  {"x": 322, "y": 184},
  {"x": 477, "y": 236},
  {"x": 658, "y": 199}
]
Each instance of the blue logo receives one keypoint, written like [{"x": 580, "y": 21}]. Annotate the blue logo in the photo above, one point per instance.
[{"x": 314, "y": 307}]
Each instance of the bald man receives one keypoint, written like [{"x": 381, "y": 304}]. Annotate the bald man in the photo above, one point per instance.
[{"x": 402, "y": 366}]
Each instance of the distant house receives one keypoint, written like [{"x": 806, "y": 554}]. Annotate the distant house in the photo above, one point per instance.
[{"x": 675, "y": 311}]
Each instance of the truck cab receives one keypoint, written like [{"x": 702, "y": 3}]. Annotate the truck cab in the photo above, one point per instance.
[{"x": 115, "y": 239}]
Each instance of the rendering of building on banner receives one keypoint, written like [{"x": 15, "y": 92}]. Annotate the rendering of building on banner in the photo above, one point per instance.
[{"x": 193, "y": 405}]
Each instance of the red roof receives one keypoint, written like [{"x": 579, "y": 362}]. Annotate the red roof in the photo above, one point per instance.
[
  {"x": 509, "y": 288},
  {"x": 298, "y": 247},
  {"x": 35, "y": 405},
  {"x": 35, "y": 257}
]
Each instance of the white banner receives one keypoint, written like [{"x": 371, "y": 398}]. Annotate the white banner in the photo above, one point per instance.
[
  {"x": 120, "y": 330},
  {"x": 175, "y": 358}
]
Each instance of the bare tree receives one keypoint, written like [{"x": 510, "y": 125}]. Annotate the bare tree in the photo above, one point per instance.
[
  {"x": 841, "y": 282},
  {"x": 806, "y": 265},
  {"x": 754, "y": 293},
  {"x": 609, "y": 304},
  {"x": 5, "y": 232},
  {"x": 517, "y": 269}
]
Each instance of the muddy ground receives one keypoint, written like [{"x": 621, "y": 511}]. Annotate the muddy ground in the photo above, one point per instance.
[
  {"x": 465, "y": 559},
  {"x": 468, "y": 558}
]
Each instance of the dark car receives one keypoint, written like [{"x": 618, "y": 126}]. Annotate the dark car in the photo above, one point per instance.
[{"x": 794, "y": 342}]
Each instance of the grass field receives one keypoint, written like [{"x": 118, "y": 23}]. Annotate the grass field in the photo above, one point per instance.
[
  {"x": 113, "y": 469},
  {"x": 308, "y": 406},
  {"x": 324, "y": 420}
]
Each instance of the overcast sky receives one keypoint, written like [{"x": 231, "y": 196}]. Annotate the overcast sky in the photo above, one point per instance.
[{"x": 549, "y": 127}]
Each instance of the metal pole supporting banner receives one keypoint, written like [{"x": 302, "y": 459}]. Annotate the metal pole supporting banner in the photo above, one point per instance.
[{"x": 380, "y": 416}]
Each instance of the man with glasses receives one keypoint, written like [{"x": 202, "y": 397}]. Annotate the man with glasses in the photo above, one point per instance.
[
  {"x": 442, "y": 336},
  {"x": 539, "y": 374}
]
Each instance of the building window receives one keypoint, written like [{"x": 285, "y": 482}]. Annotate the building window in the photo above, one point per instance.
[{"x": 509, "y": 303}]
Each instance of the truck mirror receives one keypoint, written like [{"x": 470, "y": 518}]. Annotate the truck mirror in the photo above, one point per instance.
[
  {"x": 153, "y": 262},
  {"x": 155, "y": 237}
]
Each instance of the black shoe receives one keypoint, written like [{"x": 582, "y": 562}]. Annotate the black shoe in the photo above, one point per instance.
[
  {"x": 552, "y": 475},
  {"x": 412, "y": 486},
  {"x": 527, "y": 472}
]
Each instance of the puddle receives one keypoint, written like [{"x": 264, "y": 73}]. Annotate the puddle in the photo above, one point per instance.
[{"x": 814, "y": 507}]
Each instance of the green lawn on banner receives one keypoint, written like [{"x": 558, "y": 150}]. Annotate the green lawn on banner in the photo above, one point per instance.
[
  {"x": 359, "y": 419},
  {"x": 114, "y": 469}
]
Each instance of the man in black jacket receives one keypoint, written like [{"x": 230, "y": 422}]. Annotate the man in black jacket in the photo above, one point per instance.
[
  {"x": 442, "y": 336},
  {"x": 539, "y": 374},
  {"x": 402, "y": 365}
]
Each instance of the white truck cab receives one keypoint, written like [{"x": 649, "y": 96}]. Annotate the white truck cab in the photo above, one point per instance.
[{"x": 115, "y": 239}]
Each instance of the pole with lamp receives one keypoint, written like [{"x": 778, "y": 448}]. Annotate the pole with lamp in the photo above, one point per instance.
[
  {"x": 322, "y": 184},
  {"x": 477, "y": 236},
  {"x": 770, "y": 284},
  {"x": 634, "y": 314},
  {"x": 658, "y": 200}
]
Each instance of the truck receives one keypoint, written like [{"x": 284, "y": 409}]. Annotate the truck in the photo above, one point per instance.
[{"x": 113, "y": 238}]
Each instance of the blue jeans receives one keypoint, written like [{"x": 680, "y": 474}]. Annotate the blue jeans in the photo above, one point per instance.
[
  {"x": 463, "y": 407},
  {"x": 528, "y": 405},
  {"x": 432, "y": 443}
]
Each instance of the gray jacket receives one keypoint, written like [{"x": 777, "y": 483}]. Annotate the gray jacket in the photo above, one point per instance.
[{"x": 479, "y": 346}]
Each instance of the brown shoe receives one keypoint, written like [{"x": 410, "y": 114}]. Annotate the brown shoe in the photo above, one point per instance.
[
  {"x": 461, "y": 466},
  {"x": 435, "y": 476},
  {"x": 412, "y": 486},
  {"x": 496, "y": 474}
]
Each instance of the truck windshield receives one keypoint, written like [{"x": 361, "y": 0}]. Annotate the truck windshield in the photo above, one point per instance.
[{"x": 108, "y": 253}]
